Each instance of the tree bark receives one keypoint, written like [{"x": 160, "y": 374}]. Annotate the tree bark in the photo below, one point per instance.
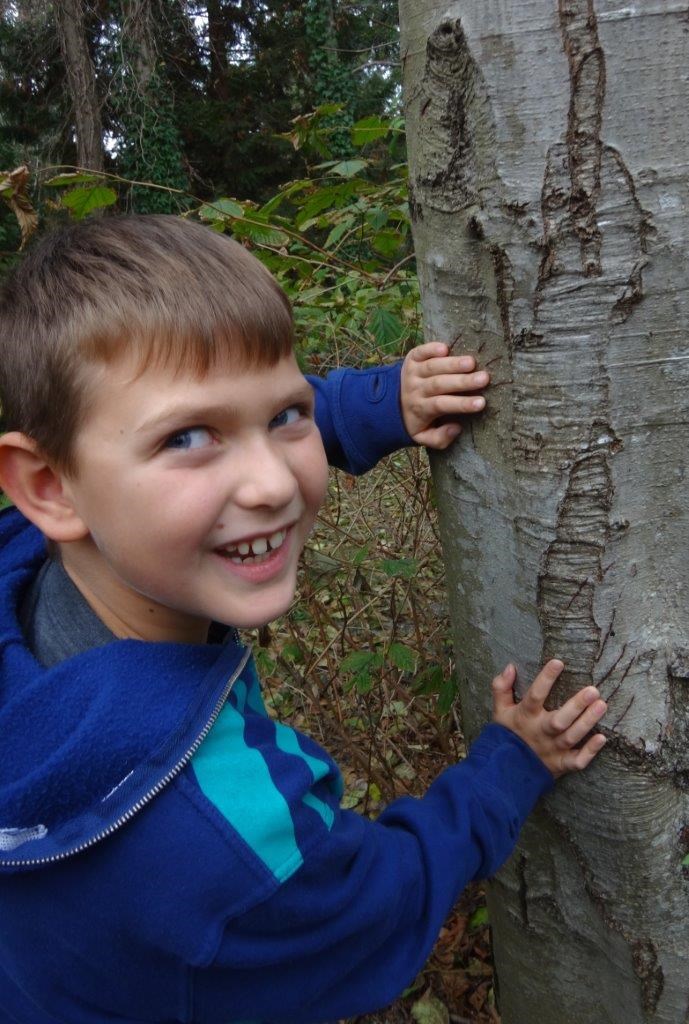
[
  {"x": 81, "y": 79},
  {"x": 550, "y": 197}
]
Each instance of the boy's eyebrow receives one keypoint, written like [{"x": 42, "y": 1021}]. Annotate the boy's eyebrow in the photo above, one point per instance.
[{"x": 194, "y": 412}]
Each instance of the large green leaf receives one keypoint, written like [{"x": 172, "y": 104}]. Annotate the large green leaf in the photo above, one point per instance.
[
  {"x": 386, "y": 328},
  {"x": 220, "y": 208},
  {"x": 402, "y": 657},
  {"x": 368, "y": 129},
  {"x": 82, "y": 201},
  {"x": 259, "y": 232}
]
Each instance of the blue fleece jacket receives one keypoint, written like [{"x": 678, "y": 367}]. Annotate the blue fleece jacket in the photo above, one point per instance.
[{"x": 168, "y": 853}]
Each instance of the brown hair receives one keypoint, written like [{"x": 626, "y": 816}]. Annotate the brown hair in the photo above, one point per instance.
[{"x": 169, "y": 290}]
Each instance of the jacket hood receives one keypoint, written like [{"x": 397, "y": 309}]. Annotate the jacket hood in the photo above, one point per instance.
[{"x": 87, "y": 742}]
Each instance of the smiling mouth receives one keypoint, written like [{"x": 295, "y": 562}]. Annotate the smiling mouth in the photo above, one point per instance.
[{"x": 253, "y": 552}]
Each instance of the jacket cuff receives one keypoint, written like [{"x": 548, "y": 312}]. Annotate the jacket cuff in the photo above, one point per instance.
[
  {"x": 367, "y": 412},
  {"x": 520, "y": 771}
]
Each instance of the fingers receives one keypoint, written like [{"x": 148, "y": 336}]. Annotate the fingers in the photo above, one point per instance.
[
  {"x": 446, "y": 405},
  {"x": 583, "y": 724},
  {"x": 442, "y": 371},
  {"x": 575, "y": 706},
  {"x": 431, "y": 350},
  {"x": 576, "y": 760},
  {"x": 535, "y": 696},
  {"x": 503, "y": 689}
]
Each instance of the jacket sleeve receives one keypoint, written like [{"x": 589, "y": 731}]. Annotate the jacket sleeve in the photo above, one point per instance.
[
  {"x": 359, "y": 416},
  {"x": 353, "y": 926}
]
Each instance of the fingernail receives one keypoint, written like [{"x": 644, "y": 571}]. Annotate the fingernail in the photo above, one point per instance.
[{"x": 478, "y": 403}]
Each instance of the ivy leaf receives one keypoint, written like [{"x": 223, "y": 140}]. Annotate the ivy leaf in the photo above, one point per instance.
[
  {"x": 82, "y": 201},
  {"x": 368, "y": 129},
  {"x": 386, "y": 328}
]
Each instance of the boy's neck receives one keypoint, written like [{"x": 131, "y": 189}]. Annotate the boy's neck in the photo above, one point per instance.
[{"x": 126, "y": 615}]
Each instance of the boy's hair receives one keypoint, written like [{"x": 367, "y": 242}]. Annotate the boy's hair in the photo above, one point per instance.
[{"x": 168, "y": 291}]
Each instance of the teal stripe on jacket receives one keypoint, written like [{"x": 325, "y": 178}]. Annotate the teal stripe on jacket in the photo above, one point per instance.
[{"x": 236, "y": 779}]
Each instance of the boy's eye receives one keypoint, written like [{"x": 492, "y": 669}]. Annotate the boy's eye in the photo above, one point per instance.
[
  {"x": 193, "y": 437},
  {"x": 289, "y": 415}
]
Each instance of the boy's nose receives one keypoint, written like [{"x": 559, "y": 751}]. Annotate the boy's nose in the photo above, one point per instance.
[{"x": 265, "y": 479}]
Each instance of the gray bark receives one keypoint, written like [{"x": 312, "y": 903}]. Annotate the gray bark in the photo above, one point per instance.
[
  {"x": 550, "y": 197},
  {"x": 81, "y": 79}
]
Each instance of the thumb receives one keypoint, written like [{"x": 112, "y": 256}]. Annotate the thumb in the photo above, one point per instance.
[
  {"x": 503, "y": 689},
  {"x": 438, "y": 437}
]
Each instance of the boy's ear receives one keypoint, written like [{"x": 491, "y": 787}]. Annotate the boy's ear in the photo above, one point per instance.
[{"x": 37, "y": 489}]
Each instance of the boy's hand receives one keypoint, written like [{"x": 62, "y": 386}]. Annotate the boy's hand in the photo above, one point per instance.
[
  {"x": 552, "y": 735},
  {"x": 434, "y": 386}
]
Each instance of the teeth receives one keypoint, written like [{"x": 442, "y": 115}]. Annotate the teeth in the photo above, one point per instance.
[{"x": 256, "y": 549}]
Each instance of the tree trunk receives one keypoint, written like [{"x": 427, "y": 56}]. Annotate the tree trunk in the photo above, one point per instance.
[
  {"x": 138, "y": 39},
  {"x": 81, "y": 79},
  {"x": 550, "y": 195}
]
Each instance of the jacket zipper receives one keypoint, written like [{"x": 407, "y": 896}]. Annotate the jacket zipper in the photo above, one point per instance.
[{"x": 153, "y": 791}]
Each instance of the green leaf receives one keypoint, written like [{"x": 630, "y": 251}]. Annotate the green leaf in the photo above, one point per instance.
[
  {"x": 337, "y": 232},
  {"x": 446, "y": 697},
  {"x": 430, "y": 680},
  {"x": 264, "y": 663},
  {"x": 363, "y": 682},
  {"x": 362, "y": 554},
  {"x": 75, "y": 178},
  {"x": 429, "y": 1010},
  {"x": 293, "y": 651},
  {"x": 348, "y": 168},
  {"x": 321, "y": 200},
  {"x": 406, "y": 568},
  {"x": 357, "y": 661},
  {"x": 368, "y": 129},
  {"x": 82, "y": 201},
  {"x": 387, "y": 243},
  {"x": 685, "y": 862},
  {"x": 402, "y": 657},
  {"x": 478, "y": 919},
  {"x": 386, "y": 328},
  {"x": 375, "y": 793},
  {"x": 258, "y": 232},
  {"x": 220, "y": 208}
]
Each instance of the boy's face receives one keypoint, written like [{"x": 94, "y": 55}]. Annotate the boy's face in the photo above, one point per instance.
[{"x": 198, "y": 495}]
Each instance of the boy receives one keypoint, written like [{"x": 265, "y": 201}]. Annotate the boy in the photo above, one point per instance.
[{"x": 167, "y": 852}]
